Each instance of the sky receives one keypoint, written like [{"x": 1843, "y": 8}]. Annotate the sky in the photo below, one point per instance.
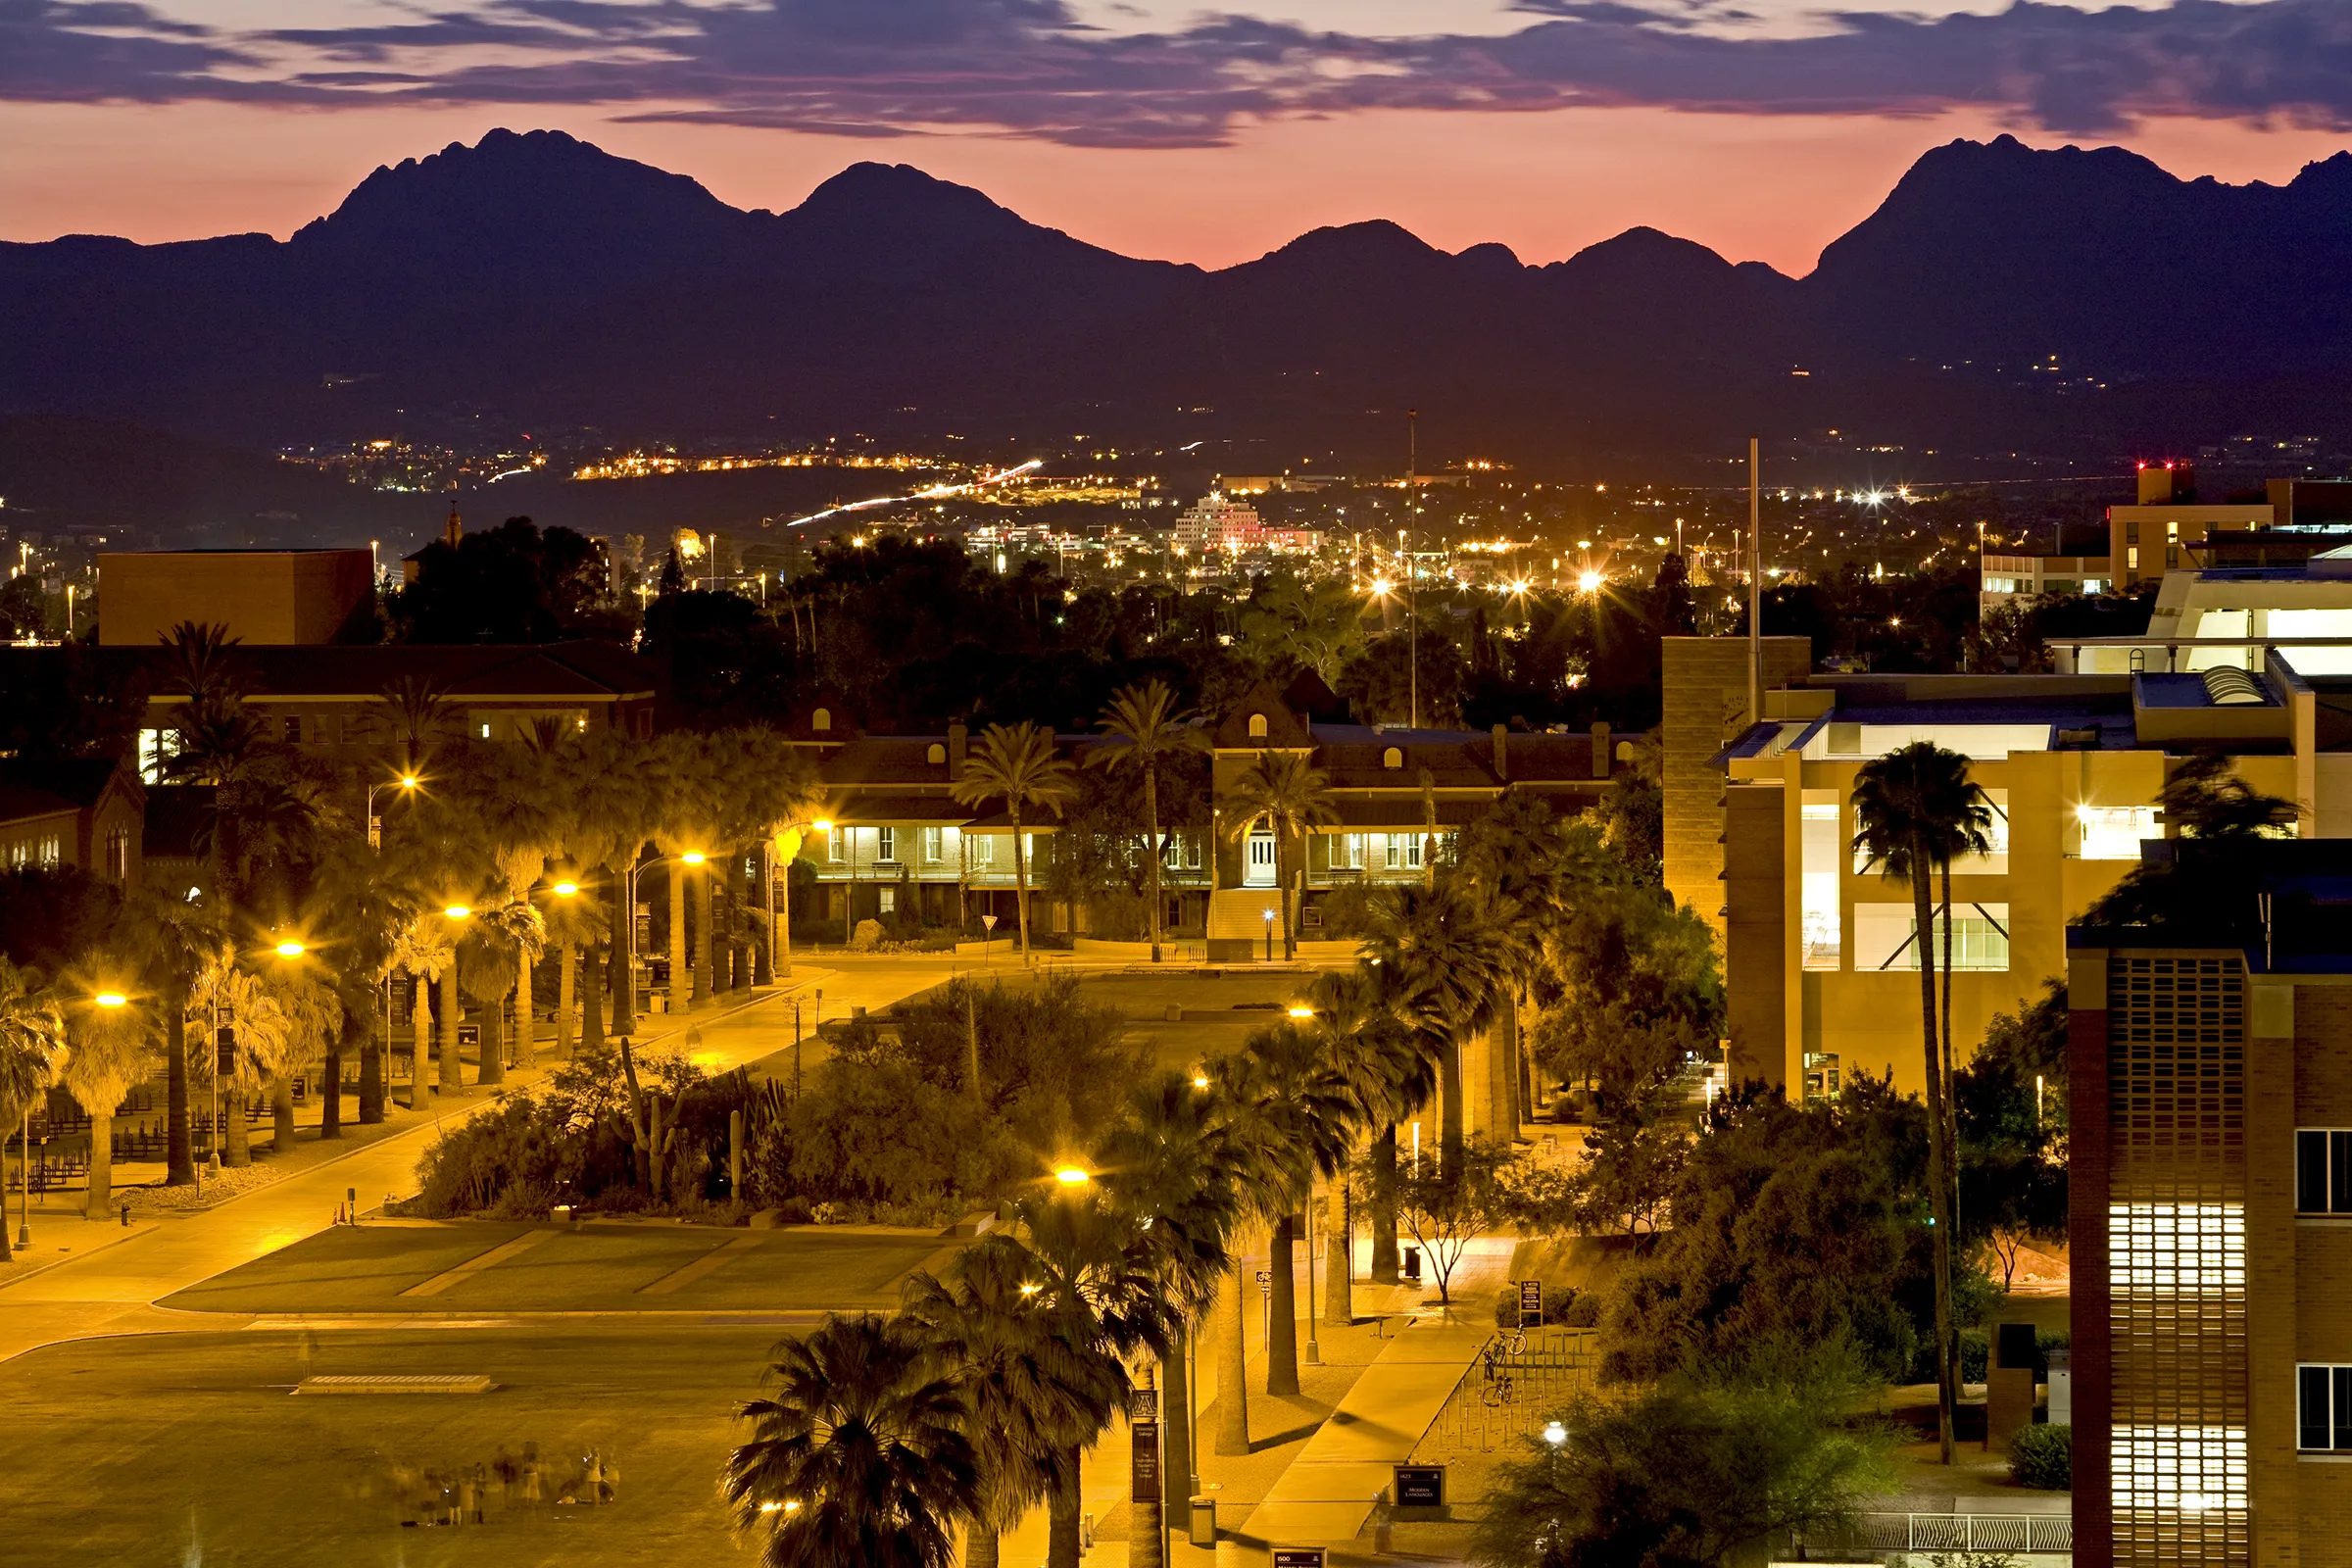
[{"x": 1763, "y": 129}]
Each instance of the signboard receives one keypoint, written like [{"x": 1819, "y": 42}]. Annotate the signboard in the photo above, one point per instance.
[
  {"x": 1299, "y": 1557},
  {"x": 469, "y": 1034},
  {"x": 1420, "y": 1486},
  {"x": 1531, "y": 1303},
  {"x": 1265, "y": 1282},
  {"x": 1142, "y": 1404},
  {"x": 224, "y": 1046},
  {"x": 1144, "y": 1463}
]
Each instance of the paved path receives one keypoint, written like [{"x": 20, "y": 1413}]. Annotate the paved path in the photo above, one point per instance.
[{"x": 112, "y": 1290}]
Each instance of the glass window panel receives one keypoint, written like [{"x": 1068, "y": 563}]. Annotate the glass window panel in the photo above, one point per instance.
[
  {"x": 2311, "y": 1172},
  {"x": 2341, "y": 1376},
  {"x": 1820, "y": 853},
  {"x": 2340, "y": 1173}
]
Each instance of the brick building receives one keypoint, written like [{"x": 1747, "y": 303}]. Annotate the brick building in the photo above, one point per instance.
[{"x": 2211, "y": 1177}]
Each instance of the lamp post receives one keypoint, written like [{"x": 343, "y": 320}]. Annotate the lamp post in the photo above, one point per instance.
[
  {"x": 1269, "y": 936},
  {"x": 779, "y": 931},
  {"x": 375, "y": 827},
  {"x": 629, "y": 892}
]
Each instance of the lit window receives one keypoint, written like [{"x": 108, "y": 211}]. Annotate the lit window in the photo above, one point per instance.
[
  {"x": 935, "y": 844},
  {"x": 2324, "y": 1408},
  {"x": 2114, "y": 832},
  {"x": 2180, "y": 1469},
  {"x": 1392, "y": 757},
  {"x": 821, "y": 720},
  {"x": 886, "y": 843},
  {"x": 1819, "y": 856},
  {"x": 1257, "y": 726},
  {"x": 1884, "y": 938},
  {"x": 2131, "y": 558},
  {"x": 834, "y": 838},
  {"x": 1823, "y": 1078},
  {"x": 983, "y": 848},
  {"x": 2323, "y": 1171}
]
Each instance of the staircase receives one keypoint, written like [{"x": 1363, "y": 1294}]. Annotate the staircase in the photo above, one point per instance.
[{"x": 1237, "y": 923}]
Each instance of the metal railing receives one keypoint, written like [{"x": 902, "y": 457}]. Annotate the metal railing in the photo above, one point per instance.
[{"x": 1952, "y": 1532}]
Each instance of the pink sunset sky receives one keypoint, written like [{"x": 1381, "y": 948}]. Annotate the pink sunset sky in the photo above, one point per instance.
[{"x": 1158, "y": 130}]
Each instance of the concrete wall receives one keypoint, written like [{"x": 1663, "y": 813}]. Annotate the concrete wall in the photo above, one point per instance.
[
  {"x": 264, "y": 597},
  {"x": 1706, "y": 708}
]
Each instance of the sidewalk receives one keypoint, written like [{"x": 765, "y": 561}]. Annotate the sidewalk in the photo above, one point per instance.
[{"x": 109, "y": 1291}]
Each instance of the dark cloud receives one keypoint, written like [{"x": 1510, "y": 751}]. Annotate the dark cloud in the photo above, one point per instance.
[{"x": 1031, "y": 67}]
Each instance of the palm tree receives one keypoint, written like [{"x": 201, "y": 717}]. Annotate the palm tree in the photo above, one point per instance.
[
  {"x": 33, "y": 1048},
  {"x": 515, "y": 798},
  {"x": 424, "y": 950},
  {"x": 1910, "y": 810},
  {"x": 171, "y": 939},
  {"x": 110, "y": 1046},
  {"x": 1291, "y": 798},
  {"x": 605, "y": 822},
  {"x": 1016, "y": 764},
  {"x": 1385, "y": 1068},
  {"x": 1140, "y": 725},
  {"x": 261, "y": 1034},
  {"x": 314, "y": 1023},
  {"x": 1030, "y": 1395},
  {"x": 499, "y": 944},
  {"x": 686, "y": 792},
  {"x": 857, "y": 1458},
  {"x": 1443, "y": 957}
]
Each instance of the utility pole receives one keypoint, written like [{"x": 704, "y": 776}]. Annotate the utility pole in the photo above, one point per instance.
[{"x": 1755, "y": 589}]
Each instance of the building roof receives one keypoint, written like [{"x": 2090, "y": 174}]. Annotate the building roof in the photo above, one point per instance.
[
  {"x": 582, "y": 671},
  {"x": 32, "y": 788}
]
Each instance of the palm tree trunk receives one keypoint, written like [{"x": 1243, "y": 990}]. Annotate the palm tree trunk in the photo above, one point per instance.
[
  {"x": 591, "y": 997},
  {"x": 1339, "y": 1258},
  {"x": 179, "y": 1158},
  {"x": 1289, "y": 907},
  {"x": 421, "y": 1019},
  {"x": 526, "y": 1044},
  {"x": 1282, "y": 1308},
  {"x": 1021, "y": 879},
  {"x": 981, "y": 1545},
  {"x": 1176, "y": 1425},
  {"x": 493, "y": 1048},
  {"x": 1159, "y": 847},
  {"x": 452, "y": 1066},
  {"x": 681, "y": 972},
  {"x": 330, "y": 1094},
  {"x": 706, "y": 937},
  {"x": 1951, "y": 1111},
  {"x": 281, "y": 1117},
  {"x": 101, "y": 1197},
  {"x": 372, "y": 1046},
  {"x": 1233, "y": 1363},
  {"x": 1061, "y": 1513},
  {"x": 233, "y": 1139},
  {"x": 1502, "y": 1067},
  {"x": 568, "y": 996},
  {"x": 1938, "y": 1184},
  {"x": 1383, "y": 1208},
  {"x": 1450, "y": 1088},
  {"x": 624, "y": 973}
]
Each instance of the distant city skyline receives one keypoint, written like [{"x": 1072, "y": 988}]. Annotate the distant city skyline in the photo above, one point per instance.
[{"x": 1156, "y": 129}]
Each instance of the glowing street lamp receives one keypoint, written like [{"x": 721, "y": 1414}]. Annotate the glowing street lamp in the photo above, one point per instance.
[
  {"x": 1588, "y": 582},
  {"x": 1072, "y": 1176},
  {"x": 110, "y": 998},
  {"x": 457, "y": 911},
  {"x": 1301, "y": 1010},
  {"x": 566, "y": 889},
  {"x": 291, "y": 949}
]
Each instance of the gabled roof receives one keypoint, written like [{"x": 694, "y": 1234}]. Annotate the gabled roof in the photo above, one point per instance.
[
  {"x": 1284, "y": 728},
  {"x": 582, "y": 670},
  {"x": 32, "y": 788}
]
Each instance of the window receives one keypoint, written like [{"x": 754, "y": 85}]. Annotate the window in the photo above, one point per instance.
[
  {"x": 935, "y": 844},
  {"x": 936, "y": 755},
  {"x": 886, "y": 843},
  {"x": 2114, "y": 832},
  {"x": 2324, "y": 1408},
  {"x": 1884, "y": 938},
  {"x": 51, "y": 849},
  {"x": 2323, "y": 1171},
  {"x": 1822, "y": 1076},
  {"x": 293, "y": 728},
  {"x": 1257, "y": 726},
  {"x": 1818, "y": 858},
  {"x": 822, "y": 720},
  {"x": 2131, "y": 534},
  {"x": 982, "y": 848},
  {"x": 2131, "y": 558},
  {"x": 1994, "y": 862},
  {"x": 1392, "y": 757},
  {"x": 1403, "y": 852},
  {"x": 118, "y": 855},
  {"x": 2171, "y": 555},
  {"x": 1188, "y": 852},
  {"x": 834, "y": 838}
]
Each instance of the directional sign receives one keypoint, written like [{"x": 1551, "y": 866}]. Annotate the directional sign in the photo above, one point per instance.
[
  {"x": 1299, "y": 1557},
  {"x": 1420, "y": 1486},
  {"x": 1144, "y": 1461}
]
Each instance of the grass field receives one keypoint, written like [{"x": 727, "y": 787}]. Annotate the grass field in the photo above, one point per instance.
[
  {"x": 178, "y": 1451},
  {"x": 366, "y": 1269}
]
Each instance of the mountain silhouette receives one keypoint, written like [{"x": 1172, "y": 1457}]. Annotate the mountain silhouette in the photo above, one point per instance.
[{"x": 2071, "y": 302}]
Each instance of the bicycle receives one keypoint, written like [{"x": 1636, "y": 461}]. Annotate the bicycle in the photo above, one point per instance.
[{"x": 1498, "y": 1387}]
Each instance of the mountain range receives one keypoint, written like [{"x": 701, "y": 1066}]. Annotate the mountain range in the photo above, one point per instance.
[{"x": 2074, "y": 303}]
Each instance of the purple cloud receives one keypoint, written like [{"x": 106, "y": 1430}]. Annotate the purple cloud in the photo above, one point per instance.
[{"x": 1031, "y": 67}]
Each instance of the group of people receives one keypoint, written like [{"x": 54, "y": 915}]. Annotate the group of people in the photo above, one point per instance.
[{"x": 468, "y": 1494}]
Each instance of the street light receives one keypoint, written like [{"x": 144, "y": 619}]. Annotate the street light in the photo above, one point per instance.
[
  {"x": 1269, "y": 936},
  {"x": 565, "y": 890},
  {"x": 1554, "y": 1433},
  {"x": 457, "y": 911},
  {"x": 291, "y": 949},
  {"x": 1072, "y": 1176},
  {"x": 375, "y": 827},
  {"x": 110, "y": 998},
  {"x": 1300, "y": 1010}
]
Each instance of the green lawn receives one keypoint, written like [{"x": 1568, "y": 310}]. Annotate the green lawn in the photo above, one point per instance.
[
  {"x": 166, "y": 1450},
  {"x": 600, "y": 1268}
]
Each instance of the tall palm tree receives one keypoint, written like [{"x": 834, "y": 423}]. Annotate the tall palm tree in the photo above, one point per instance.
[
  {"x": 686, "y": 792},
  {"x": 1142, "y": 726},
  {"x": 261, "y": 1034},
  {"x": 1386, "y": 1068},
  {"x": 171, "y": 939},
  {"x": 1908, "y": 815},
  {"x": 33, "y": 1048},
  {"x": 425, "y": 950},
  {"x": 1443, "y": 955},
  {"x": 857, "y": 1458},
  {"x": 516, "y": 800},
  {"x": 611, "y": 797},
  {"x": 1031, "y": 1397},
  {"x": 1017, "y": 764},
  {"x": 499, "y": 944},
  {"x": 1290, "y": 797},
  {"x": 109, "y": 1048},
  {"x": 314, "y": 1023}
]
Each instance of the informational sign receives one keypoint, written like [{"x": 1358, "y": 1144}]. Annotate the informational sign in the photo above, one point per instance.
[
  {"x": 1531, "y": 1303},
  {"x": 224, "y": 1046},
  {"x": 1299, "y": 1557},
  {"x": 1142, "y": 1404},
  {"x": 469, "y": 1034},
  {"x": 1144, "y": 1466},
  {"x": 1420, "y": 1486},
  {"x": 1265, "y": 1282}
]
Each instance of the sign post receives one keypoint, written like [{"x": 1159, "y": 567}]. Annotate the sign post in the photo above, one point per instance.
[
  {"x": 1531, "y": 1303},
  {"x": 1419, "y": 1486},
  {"x": 1145, "y": 1481},
  {"x": 1299, "y": 1557}
]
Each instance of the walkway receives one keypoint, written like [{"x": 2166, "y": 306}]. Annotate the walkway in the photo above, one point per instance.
[{"x": 110, "y": 1290}]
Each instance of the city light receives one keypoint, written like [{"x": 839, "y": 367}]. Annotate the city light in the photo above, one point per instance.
[
  {"x": 1588, "y": 582},
  {"x": 1554, "y": 1433},
  {"x": 407, "y": 781},
  {"x": 822, "y": 824},
  {"x": 692, "y": 858}
]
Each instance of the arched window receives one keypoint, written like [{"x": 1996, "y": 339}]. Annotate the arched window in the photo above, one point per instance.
[
  {"x": 821, "y": 720},
  {"x": 1391, "y": 758},
  {"x": 1257, "y": 726},
  {"x": 937, "y": 754}
]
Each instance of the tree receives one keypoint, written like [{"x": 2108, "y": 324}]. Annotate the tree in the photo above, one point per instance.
[
  {"x": 1289, "y": 796},
  {"x": 2011, "y": 1104},
  {"x": 1317, "y": 625},
  {"x": 1385, "y": 1068},
  {"x": 1032, "y": 1398},
  {"x": 312, "y": 1023},
  {"x": 500, "y": 945},
  {"x": 261, "y": 1034},
  {"x": 2200, "y": 883},
  {"x": 1016, "y": 764},
  {"x": 858, "y": 1458},
  {"x": 33, "y": 1048},
  {"x": 1906, "y": 822},
  {"x": 171, "y": 939},
  {"x": 1445, "y": 1208},
  {"x": 1142, "y": 726},
  {"x": 110, "y": 1046},
  {"x": 1684, "y": 1476},
  {"x": 1444, "y": 958}
]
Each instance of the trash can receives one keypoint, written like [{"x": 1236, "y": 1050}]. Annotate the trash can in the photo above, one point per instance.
[
  {"x": 1204, "y": 1522},
  {"x": 1413, "y": 1264}
]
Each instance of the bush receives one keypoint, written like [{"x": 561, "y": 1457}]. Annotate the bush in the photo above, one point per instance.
[
  {"x": 2044, "y": 1457},
  {"x": 1581, "y": 1310}
]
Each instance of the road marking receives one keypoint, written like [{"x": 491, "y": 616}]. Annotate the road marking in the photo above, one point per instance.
[
  {"x": 472, "y": 1266},
  {"x": 710, "y": 1262}
]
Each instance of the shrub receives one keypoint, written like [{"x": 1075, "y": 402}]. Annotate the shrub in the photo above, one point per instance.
[
  {"x": 1582, "y": 1311},
  {"x": 2044, "y": 1457}
]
